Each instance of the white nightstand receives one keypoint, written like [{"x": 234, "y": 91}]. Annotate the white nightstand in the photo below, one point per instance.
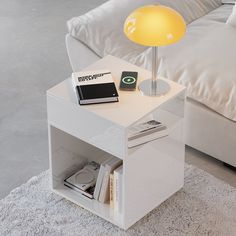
[{"x": 152, "y": 172}]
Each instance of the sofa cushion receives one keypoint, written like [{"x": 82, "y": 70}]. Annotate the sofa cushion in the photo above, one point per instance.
[
  {"x": 228, "y": 1},
  {"x": 232, "y": 18},
  {"x": 102, "y": 28},
  {"x": 203, "y": 61}
]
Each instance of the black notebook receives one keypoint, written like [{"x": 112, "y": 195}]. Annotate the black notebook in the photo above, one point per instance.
[{"x": 94, "y": 87}]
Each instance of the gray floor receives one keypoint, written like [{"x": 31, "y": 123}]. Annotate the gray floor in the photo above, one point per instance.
[
  {"x": 211, "y": 165},
  {"x": 32, "y": 59}
]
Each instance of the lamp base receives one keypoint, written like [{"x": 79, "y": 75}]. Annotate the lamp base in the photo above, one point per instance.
[{"x": 148, "y": 88}]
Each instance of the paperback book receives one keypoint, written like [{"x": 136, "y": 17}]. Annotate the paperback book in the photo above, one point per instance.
[
  {"x": 94, "y": 87},
  {"x": 100, "y": 179},
  {"x": 117, "y": 189},
  {"x": 112, "y": 190},
  {"x": 109, "y": 168},
  {"x": 102, "y": 188}
]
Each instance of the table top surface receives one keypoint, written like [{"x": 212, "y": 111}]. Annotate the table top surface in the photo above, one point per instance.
[{"x": 132, "y": 105}]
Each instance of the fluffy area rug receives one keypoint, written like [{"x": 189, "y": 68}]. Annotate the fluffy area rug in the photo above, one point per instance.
[{"x": 205, "y": 206}]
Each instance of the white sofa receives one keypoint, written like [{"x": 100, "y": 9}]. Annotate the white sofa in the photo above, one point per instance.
[{"x": 203, "y": 61}]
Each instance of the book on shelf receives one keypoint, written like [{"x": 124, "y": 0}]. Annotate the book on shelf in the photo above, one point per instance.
[
  {"x": 88, "y": 192},
  {"x": 146, "y": 132},
  {"x": 117, "y": 189},
  {"x": 100, "y": 179},
  {"x": 94, "y": 87},
  {"x": 112, "y": 190},
  {"x": 109, "y": 168},
  {"x": 84, "y": 180}
]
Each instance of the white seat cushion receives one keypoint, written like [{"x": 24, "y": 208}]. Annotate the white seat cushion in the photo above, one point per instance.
[{"x": 204, "y": 61}]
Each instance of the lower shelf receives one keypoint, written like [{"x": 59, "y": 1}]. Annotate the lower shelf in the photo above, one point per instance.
[{"x": 100, "y": 209}]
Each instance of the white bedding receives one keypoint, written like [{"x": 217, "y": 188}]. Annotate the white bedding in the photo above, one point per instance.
[{"x": 204, "y": 61}]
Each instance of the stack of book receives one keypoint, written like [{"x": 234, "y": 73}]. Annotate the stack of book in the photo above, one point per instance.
[
  {"x": 94, "y": 87},
  {"x": 146, "y": 132},
  {"x": 84, "y": 180},
  {"x": 102, "y": 188},
  {"x": 100, "y": 182}
]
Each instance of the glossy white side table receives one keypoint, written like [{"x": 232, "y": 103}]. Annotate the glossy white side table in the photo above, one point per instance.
[{"x": 152, "y": 172}]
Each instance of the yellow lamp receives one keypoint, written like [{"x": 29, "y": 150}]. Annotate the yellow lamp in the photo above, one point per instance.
[{"x": 154, "y": 25}]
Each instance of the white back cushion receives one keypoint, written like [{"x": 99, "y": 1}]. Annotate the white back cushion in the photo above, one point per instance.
[{"x": 102, "y": 27}]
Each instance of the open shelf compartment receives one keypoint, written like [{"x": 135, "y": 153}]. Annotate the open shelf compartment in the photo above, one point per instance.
[{"x": 68, "y": 154}]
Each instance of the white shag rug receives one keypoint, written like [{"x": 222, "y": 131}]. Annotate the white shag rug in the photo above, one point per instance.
[{"x": 205, "y": 206}]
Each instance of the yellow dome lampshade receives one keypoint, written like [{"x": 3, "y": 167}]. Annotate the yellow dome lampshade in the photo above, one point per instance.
[{"x": 154, "y": 25}]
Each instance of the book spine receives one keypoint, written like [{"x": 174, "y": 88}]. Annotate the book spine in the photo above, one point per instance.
[
  {"x": 104, "y": 193},
  {"x": 79, "y": 191},
  {"x": 80, "y": 93},
  {"x": 99, "y": 183},
  {"x": 104, "y": 189},
  {"x": 112, "y": 190},
  {"x": 118, "y": 192}
]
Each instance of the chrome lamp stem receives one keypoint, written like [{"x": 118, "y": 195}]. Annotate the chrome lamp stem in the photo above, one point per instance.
[
  {"x": 154, "y": 87},
  {"x": 154, "y": 69}
]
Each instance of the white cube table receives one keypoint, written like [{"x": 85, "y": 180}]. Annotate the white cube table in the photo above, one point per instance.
[{"x": 152, "y": 172}]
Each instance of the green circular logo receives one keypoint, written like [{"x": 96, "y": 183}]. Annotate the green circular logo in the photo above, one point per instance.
[{"x": 128, "y": 80}]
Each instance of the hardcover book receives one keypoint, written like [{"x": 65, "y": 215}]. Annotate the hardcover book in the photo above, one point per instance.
[
  {"x": 112, "y": 190},
  {"x": 109, "y": 167},
  {"x": 94, "y": 87},
  {"x": 100, "y": 179},
  {"x": 84, "y": 180}
]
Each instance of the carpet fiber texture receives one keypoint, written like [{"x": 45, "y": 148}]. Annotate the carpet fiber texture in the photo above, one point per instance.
[{"x": 205, "y": 206}]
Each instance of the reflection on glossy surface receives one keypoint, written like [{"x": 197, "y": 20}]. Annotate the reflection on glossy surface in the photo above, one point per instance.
[{"x": 110, "y": 140}]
